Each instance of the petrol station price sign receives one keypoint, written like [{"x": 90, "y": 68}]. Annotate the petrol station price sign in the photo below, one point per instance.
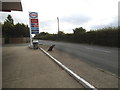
[{"x": 34, "y": 24}]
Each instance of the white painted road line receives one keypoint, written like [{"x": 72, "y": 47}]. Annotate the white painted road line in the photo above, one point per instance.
[
  {"x": 74, "y": 75},
  {"x": 98, "y": 50}
]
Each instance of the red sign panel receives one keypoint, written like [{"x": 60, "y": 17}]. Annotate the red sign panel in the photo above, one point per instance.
[{"x": 34, "y": 20}]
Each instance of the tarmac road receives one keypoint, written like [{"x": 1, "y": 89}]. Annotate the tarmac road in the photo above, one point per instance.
[{"x": 105, "y": 58}]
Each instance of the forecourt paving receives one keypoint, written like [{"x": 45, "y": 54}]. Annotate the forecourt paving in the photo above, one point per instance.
[{"x": 23, "y": 67}]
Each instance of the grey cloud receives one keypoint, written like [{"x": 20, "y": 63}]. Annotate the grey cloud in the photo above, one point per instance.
[
  {"x": 46, "y": 23},
  {"x": 76, "y": 19},
  {"x": 111, "y": 24},
  {"x": 119, "y": 13},
  {"x": 73, "y": 19},
  {"x": 15, "y": 18},
  {"x": 95, "y": 27},
  {"x": 3, "y": 16},
  {"x": 114, "y": 23}
]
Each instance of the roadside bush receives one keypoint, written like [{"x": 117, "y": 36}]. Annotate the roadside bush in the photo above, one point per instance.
[{"x": 106, "y": 36}]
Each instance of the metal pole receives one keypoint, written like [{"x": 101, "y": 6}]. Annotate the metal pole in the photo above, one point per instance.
[
  {"x": 30, "y": 31},
  {"x": 58, "y": 23}
]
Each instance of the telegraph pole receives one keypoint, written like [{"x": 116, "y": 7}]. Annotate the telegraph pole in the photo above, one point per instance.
[{"x": 58, "y": 24}]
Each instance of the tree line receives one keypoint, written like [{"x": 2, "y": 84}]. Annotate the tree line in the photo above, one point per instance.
[
  {"x": 11, "y": 30},
  {"x": 105, "y": 36}
]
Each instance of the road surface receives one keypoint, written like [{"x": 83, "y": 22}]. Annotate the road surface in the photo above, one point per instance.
[{"x": 105, "y": 58}]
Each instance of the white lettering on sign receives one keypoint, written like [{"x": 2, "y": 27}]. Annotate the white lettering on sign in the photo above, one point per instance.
[{"x": 33, "y": 15}]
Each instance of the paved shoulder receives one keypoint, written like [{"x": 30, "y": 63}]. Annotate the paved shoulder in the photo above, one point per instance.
[{"x": 27, "y": 68}]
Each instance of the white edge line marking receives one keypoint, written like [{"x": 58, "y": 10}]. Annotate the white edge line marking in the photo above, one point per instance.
[
  {"x": 98, "y": 50},
  {"x": 78, "y": 78}
]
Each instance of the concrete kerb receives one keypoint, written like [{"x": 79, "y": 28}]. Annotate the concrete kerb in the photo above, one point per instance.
[{"x": 74, "y": 75}]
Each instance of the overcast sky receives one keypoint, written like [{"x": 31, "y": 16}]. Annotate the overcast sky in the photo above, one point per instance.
[{"x": 89, "y": 14}]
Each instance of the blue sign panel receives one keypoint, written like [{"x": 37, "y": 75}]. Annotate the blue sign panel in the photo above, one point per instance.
[
  {"x": 35, "y": 32},
  {"x": 34, "y": 28}
]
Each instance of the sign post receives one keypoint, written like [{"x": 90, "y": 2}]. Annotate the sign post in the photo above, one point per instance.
[
  {"x": 34, "y": 24},
  {"x": 58, "y": 24}
]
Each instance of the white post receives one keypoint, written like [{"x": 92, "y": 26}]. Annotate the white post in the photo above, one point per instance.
[
  {"x": 58, "y": 23},
  {"x": 30, "y": 31}
]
